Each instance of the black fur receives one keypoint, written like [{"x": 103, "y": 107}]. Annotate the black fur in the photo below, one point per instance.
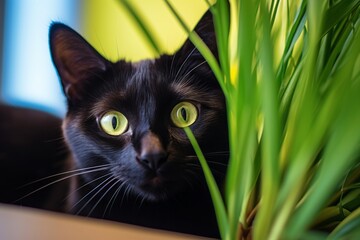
[{"x": 172, "y": 195}]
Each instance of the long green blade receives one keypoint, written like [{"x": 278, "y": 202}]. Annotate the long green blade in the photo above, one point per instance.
[{"x": 214, "y": 190}]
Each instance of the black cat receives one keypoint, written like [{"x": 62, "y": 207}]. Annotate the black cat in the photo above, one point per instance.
[{"x": 130, "y": 158}]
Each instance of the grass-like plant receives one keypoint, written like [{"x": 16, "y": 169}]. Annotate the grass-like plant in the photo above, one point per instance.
[{"x": 290, "y": 72}]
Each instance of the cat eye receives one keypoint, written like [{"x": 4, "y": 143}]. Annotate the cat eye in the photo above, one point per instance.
[
  {"x": 184, "y": 114},
  {"x": 114, "y": 123}
]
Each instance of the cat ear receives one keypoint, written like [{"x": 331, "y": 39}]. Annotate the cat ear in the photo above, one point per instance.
[
  {"x": 205, "y": 30},
  {"x": 74, "y": 58}
]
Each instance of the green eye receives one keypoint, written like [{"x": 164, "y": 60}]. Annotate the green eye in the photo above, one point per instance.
[
  {"x": 114, "y": 123},
  {"x": 184, "y": 114}
]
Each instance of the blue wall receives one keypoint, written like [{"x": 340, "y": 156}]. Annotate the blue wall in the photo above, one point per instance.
[{"x": 28, "y": 76}]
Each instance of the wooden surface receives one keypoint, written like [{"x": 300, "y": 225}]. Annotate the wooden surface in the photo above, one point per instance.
[{"x": 18, "y": 223}]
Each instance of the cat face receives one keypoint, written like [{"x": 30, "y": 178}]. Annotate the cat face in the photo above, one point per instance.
[{"x": 129, "y": 117}]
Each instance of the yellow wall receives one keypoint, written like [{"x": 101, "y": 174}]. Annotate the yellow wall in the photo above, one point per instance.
[{"x": 108, "y": 28}]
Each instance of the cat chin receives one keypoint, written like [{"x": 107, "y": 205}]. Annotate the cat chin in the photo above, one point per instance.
[
  {"x": 152, "y": 196},
  {"x": 155, "y": 198},
  {"x": 157, "y": 189}
]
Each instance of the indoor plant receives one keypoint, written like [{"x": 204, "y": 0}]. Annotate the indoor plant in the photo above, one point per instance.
[{"x": 290, "y": 71}]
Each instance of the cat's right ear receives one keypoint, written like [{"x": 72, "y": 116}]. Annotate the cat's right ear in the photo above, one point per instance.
[{"x": 74, "y": 58}]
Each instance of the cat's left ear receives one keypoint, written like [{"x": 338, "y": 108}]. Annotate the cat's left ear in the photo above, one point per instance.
[{"x": 75, "y": 59}]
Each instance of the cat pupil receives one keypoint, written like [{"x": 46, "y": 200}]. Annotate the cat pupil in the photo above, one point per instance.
[
  {"x": 183, "y": 113},
  {"x": 114, "y": 122}
]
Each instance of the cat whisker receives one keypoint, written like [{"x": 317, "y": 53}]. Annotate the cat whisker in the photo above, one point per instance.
[
  {"x": 182, "y": 65},
  {"x": 187, "y": 74},
  {"x": 221, "y": 153},
  {"x": 126, "y": 193},
  {"x": 172, "y": 64},
  {"x": 113, "y": 198},
  {"x": 58, "y": 139},
  {"x": 213, "y": 171},
  {"x": 138, "y": 195},
  {"x": 104, "y": 194},
  {"x": 191, "y": 170},
  {"x": 217, "y": 163},
  {"x": 101, "y": 186},
  {"x": 142, "y": 201},
  {"x": 68, "y": 172},
  {"x": 211, "y": 154},
  {"x": 86, "y": 184},
  {"x": 218, "y": 152},
  {"x": 59, "y": 180},
  {"x": 207, "y": 160}
]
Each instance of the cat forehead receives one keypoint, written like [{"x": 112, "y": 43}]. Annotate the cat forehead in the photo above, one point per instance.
[
  {"x": 139, "y": 74},
  {"x": 148, "y": 76},
  {"x": 142, "y": 68},
  {"x": 153, "y": 83},
  {"x": 153, "y": 75}
]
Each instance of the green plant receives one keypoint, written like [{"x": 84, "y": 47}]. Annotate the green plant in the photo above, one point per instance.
[{"x": 290, "y": 71}]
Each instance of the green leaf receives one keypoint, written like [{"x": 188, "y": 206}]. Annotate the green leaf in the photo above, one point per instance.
[
  {"x": 141, "y": 23},
  {"x": 338, "y": 12},
  {"x": 201, "y": 46},
  {"x": 214, "y": 190},
  {"x": 348, "y": 227}
]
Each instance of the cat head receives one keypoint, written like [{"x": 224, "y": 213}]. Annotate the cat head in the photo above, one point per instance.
[{"x": 129, "y": 117}]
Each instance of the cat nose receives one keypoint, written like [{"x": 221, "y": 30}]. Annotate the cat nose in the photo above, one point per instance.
[
  {"x": 153, "y": 160},
  {"x": 152, "y": 153}
]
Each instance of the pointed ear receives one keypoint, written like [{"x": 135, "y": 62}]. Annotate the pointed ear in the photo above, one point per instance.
[
  {"x": 205, "y": 29},
  {"x": 74, "y": 58}
]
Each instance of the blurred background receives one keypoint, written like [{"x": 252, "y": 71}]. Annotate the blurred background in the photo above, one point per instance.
[{"x": 27, "y": 75}]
